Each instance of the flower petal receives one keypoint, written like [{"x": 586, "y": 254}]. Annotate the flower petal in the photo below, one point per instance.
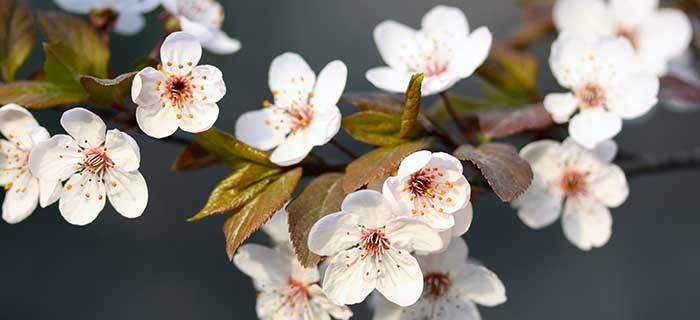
[
  {"x": 325, "y": 125},
  {"x": 370, "y": 207},
  {"x": 410, "y": 234},
  {"x": 631, "y": 13},
  {"x": 319, "y": 298},
  {"x": 82, "y": 199},
  {"x": 15, "y": 124},
  {"x": 123, "y": 150},
  {"x": 21, "y": 199},
  {"x": 49, "y": 194},
  {"x": 609, "y": 185},
  {"x": 538, "y": 150},
  {"x": 129, "y": 23},
  {"x": 290, "y": 79},
  {"x": 634, "y": 96},
  {"x": 333, "y": 233},
  {"x": 197, "y": 117},
  {"x": 471, "y": 52},
  {"x": 480, "y": 285},
  {"x": 348, "y": 279},
  {"x": 54, "y": 160},
  {"x": 127, "y": 192},
  {"x": 446, "y": 21},
  {"x": 259, "y": 128},
  {"x": 538, "y": 207},
  {"x": 144, "y": 88},
  {"x": 451, "y": 260},
  {"x": 586, "y": 223},
  {"x": 396, "y": 43},
  {"x": 561, "y": 106},
  {"x": 295, "y": 147},
  {"x": 179, "y": 53},
  {"x": 604, "y": 151},
  {"x": 400, "y": 279},
  {"x": 209, "y": 84},
  {"x": 589, "y": 18},
  {"x": 463, "y": 220},
  {"x": 330, "y": 85},
  {"x": 221, "y": 43},
  {"x": 665, "y": 35},
  {"x": 156, "y": 121},
  {"x": 413, "y": 163},
  {"x": 264, "y": 265},
  {"x": 388, "y": 79},
  {"x": 85, "y": 127},
  {"x": 593, "y": 126},
  {"x": 277, "y": 227}
]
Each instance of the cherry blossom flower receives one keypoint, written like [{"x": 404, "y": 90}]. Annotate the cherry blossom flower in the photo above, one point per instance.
[
  {"x": 453, "y": 287},
  {"x": 180, "y": 93},
  {"x": 129, "y": 13},
  {"x": 21, "y": 186},
  {"x": 203, "y": 19},
  {"x": 287, "y": 289},
  {"x": 304, "y": 113},
  {"x": 657, "y": 35},
  {"x": 97, "y": 163},
  {"x": 430, "y": 187},
  {"x": 369, "y": 247},
  {"x": 278, "y": 227},
  {"x": 582, "y": 181},
  {"x": 443, "y": 50},
  {"x": 606, "y": 86}
]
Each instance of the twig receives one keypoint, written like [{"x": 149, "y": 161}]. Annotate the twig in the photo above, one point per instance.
[
  {"x": 451, "y": 112},
  {"x": 644, "y": 166},
  {"x": 343, "y": 149}
]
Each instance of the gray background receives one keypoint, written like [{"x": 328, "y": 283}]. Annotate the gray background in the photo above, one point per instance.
[{"x": 160, "y": 267}]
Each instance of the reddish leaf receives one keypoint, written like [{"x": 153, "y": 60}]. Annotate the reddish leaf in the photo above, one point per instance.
[
  {"x": 679, "y": 90},
  {"x": 194, "y": 157},
  {"x": 503, "y": 123}
]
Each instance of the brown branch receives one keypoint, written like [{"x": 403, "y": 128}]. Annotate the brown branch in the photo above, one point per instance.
[{"x": 676, "y": 162}]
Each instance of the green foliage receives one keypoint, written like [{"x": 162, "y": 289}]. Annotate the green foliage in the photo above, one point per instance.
[
  {"x": 411, "y": 108},
  {"x": 512, "y": 72},
  {"x": 322, "y": 196},
  {"x": 229, "y": 150},
  {"x": 16, "y": 36},
  {"x": 107, "y": 92},
  {"x": 38, "y": 94},
  {"x": 374, "y": 127}
]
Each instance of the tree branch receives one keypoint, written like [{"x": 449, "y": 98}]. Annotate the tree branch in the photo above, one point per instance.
[{"x": 645, "y": 165}]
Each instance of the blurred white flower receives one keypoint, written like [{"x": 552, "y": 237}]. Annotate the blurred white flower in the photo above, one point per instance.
[
  {"x": 287, "y": 289},
  {"x": 180, "y": 93},
  {"x": 443, "y": 50},
  {"x": 370, "y": 247},
  {"x": 452, "y": 289},
  {"x": 582, "y": 181},
  {"x": 129, "y": 20},
  {"x": 203, "y": 19},
  {"x": 606, "y": 86},
  {"x": 657, "y": 35},
  {"x": 22, "y": 192},
  {"x": 430, "y": 187},
  {"x": 278, "y": 227},
  {"x": 96, "y": 165},
  {"x": 304, "y": 113}
]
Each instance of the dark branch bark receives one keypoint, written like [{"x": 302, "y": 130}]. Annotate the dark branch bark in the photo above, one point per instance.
[{"x": 676, "y": 162}]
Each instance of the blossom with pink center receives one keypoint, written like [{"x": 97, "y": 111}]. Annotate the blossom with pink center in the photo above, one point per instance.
[
  {"x": 369, "y": 247},
  {"x": 443, "y": 50},
  {"x": 304, "y": 113},
  {"x": 657, "y": 35},
  {"x": 605, "y": 84},
  {"x": 129, "y": 18},
  {"x": 22, "y": 192},
  {"x": 203, "y": 19},
  {"x": 580, "y": 181},
  {"x": 287, "y": 290},
  {"x": 179, "y": 93},
  {"x": 98, "y": 165},
  {"x": 453, "y": 286}
]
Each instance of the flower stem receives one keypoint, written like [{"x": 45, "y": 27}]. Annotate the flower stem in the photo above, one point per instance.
[
  {"x": 644, "y": 166},
  {"x": 451, "y": 111}
]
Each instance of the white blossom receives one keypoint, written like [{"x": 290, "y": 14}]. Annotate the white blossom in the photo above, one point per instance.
[
  {"x": 606, "y": 86},
  {"x": 98, "y": 165},
  {"x": 369, "y": 247},
  {"x": 277, "y": 228},
  {"x": 583, "y": 182},
  {"x": 430, "y": 187},
  {"x": 203, "y": 19},
  {"x": 443, "y": 50},
  {"x": 304, "y": 113},
  {"x": 453, "y": 287},
  {"x": 22, "y": 192},
  {"x": 179, "y": 93},
  {"x": 129, "y": 20},
  {"x": 657, "y": 35},
  {"x": 287, "y": 290}
]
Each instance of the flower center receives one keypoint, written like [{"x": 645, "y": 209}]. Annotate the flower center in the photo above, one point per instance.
[
  {"x": 301, "y": 117},
  {"x": 297, "y": 290},
  {"x": 434, "y": 69},
  {"x": 436, "y": 284},
  {"x": 630, "y": 35},
  {"x": 590, "y": 96},
  {"x": 427, "y": 188},
  {"x": 96, "y": 161},
  {"x": 573, "y": 182},
  {"x": 373, "y": 242},
  {"x": 178, "y": 90}
]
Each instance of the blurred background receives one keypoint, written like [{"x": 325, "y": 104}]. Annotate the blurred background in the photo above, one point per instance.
[{"x": 161, "y": 267}]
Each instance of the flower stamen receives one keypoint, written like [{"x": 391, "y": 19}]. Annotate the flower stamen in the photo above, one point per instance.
[
  {"x": 591, "y": 96},
  {"x": 572, "y": 182},
  {"x": 436, "y": 284}
]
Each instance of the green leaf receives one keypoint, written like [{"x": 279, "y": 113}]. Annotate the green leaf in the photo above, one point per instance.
[
  {"x": 108, "y": 92},
  {"x": 62, "y": 65},
  {"x": 373, "y": 101},
  {"x": 514, "y": 72},
  {"x": 411, "y": 108},
  {"x": 16, "y": 36},
  {"x": 374, "y": 127},
  {"x": 258, "y": 211},
  {"x": 229, "y": 149},
  {"x": 322, "y": 196},
  {"x": 234, "y": 191},
  {"x": 507, "y": 174},
  {"x": 39, "y": 94},
  {"x": 379, "y": 163},
  {"x": 90, "y": 55}
]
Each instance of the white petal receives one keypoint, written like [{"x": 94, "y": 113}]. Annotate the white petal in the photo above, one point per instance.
[
  {"x": 85, "y": 127},
  {"x": 319, "y": 298},
  {"x": 586, "y": 222},
  {"x": 441, "y": 83},
  {"x": 635, "y": 95},
  {"x": 593, "y": 126},
  {"x": 179, "y": 53},
  {"x": 9, "y": 163},
  {"x": 127, "y": 192},
  {"x": 295, "y": 147},
  {"x": 452, "y": 259},
  {"x": 388, "y": 79},
  {"x": 561, "y": 106},
  {"x": 471, "y": 52},
  {"x": 263, "y": 264},
  {"x": 382, "y": 309},
  {"x": 583, "y": 17},
  {"x": 48, "y": 195},
  {"x": 604, "y": 151},
  {"x": 82, "y": 199},
  {"x": 410, "y": 234},
  {"x": 54, "y": 160},
  {"x": 330, "y": 84},
  {"x": 198, "y": 116},
  {"x": 538, "y": 207},
  {"x": 129, "y": 23},
  {"x": 209, "y": 84},
  {"x": 665, "y": 35},
  {"x": 333, "y": 233},
  {"x": 448, "y": 23},
  {"x": 325, "y": 125},
  {"x": 144, "y": 89},
  {"x": 609, "y": 185},
  {"x": 257, "y": 128},
  {"x": 536, "y": 151},
  {"x": 123, "y": 150},
  {"x": 278, "y": 226},
  {"x": 371, "y": 208},
  {"x": 395, "y": 42},
  {"x": 413, "y": 163},
  {"x": 463, "y": 220},
  {"x": 290, "y": 79},
  {"x": 38, "y": 134},
  {"x": 156, "y": 121},
  {"x": 348, "y": 279},
  {"x": 400, "y": 279},
  {"x": 21, "y": 199},
  {"x": 15, "y": 124},
  {"x": 632, "y": 12},
  {"x": 221, "y": 43},
  {"x": 480, "y": 285}
]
